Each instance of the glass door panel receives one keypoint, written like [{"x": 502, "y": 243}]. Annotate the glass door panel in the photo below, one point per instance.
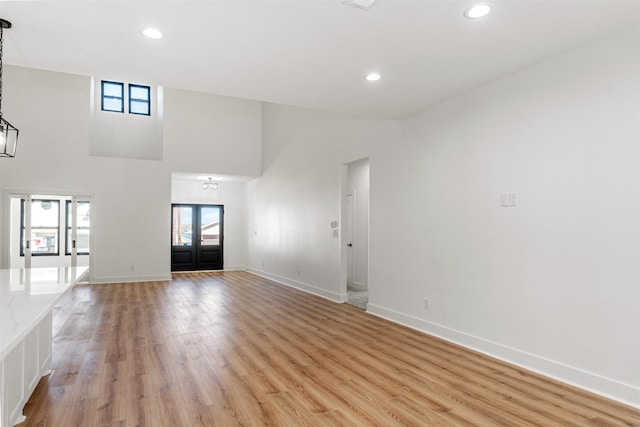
[
  {"x": 197, "y": 237},
  {"x": 209, "y": 251},
  {"x": 210, "y": 225},
  {"x": 182, "y": 234}
]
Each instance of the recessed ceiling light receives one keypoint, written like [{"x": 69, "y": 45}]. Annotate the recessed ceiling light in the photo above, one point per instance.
[
  {"x": 373, "y": 77},
  {"x": 477, "y": 11},
  {"x": 152, "y": 33}
]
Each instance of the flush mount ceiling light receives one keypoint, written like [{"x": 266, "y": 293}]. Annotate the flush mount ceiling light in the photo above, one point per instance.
[
  {"x": 209, "y": 185},
  {"x": 215, "y": 178},
  {"x": 359, "y": 4},
  {"x": 152, "y": 33},
  {"x": 373, "y": 77},
  {"x": 8, "y": 132},
  {"x": 477, "y": 11}
]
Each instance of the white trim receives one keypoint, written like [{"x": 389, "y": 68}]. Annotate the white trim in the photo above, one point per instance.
[
  {"x": 607, "y": 387},
  {"x": 358, "y": 286},
  {"x": 131, "y": 279},
  {"x": 351, "y": 254},
  {"x": 335, "y": 297}
]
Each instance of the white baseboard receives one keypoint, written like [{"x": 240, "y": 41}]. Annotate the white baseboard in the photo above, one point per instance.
[
  {"x": 130, "y": 279},
  {"x": 151, "y": 278},
  {"x": 606, "y": 387},
  {"x": 358, "y": 286},
  {"x": 335, "y": 297}
]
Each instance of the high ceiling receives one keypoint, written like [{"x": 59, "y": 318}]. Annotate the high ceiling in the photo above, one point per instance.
[{"x": 306, "y": 53}]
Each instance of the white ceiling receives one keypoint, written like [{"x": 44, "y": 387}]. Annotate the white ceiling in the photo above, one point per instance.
[{"x": 306, "y": 53}]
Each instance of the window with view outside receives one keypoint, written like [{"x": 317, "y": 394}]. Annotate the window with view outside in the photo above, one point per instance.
[
  {"x": 182, "y": 229},
  {"x": 210, "y": 228},
  {"x": 45, "y": 229},
  {"x": 139, "y": 99},
  {"x": 112, "y": 96},
  {"x": 83, "y": 224}
]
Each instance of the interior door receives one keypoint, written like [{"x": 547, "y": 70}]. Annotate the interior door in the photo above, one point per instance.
[
  {"x": 349, "y": 231},
  {"x": 197, "y": 237}
]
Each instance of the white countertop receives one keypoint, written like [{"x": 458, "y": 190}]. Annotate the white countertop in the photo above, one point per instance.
[{"x": 27, "y": 296}]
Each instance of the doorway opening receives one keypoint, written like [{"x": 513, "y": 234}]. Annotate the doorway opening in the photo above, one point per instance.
[
  {"x": 47, "y": 230},
  {"x": 355, "y": 229},
  {"x": 197, "y": 236}
]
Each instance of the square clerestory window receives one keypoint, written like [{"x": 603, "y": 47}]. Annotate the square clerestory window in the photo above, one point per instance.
[
  {"x": 112, "y": 96},
  {"x": 139, "y": 100}
]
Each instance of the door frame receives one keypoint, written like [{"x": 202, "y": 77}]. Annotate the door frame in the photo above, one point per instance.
[
  {"x": 10, "y": 194},
  {"x": 350, "y": 227},
  {"x": 196, "y": 249},
  {"x": 344, "y": 238}
]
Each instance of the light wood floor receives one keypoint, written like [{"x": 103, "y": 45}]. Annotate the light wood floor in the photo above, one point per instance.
[{"x": 232, "y": 349}]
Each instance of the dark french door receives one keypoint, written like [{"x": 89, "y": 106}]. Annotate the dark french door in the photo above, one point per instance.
[{"x": 197, "y": 235}]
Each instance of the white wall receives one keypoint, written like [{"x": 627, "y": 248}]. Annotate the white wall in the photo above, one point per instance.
[
  {"x": 229, "y": 194},
  {"x": 131, "y": 202},
  {"x": 205, "y": 133},
  {"x": 551, "y": 284},
  {"x": 358, "y": 185},
  {"x": 291, "y": 206},
  {"x": 125, "y": 135}
]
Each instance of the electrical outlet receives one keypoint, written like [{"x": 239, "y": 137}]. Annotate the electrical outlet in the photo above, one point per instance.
[
  {"x": 132, "y": 268},
  {"x": 509, "y": 200},
  {"x": 427, "y": 304}
]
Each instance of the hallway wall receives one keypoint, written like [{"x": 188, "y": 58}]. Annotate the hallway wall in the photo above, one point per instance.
[{"x": 291, "y": 206}]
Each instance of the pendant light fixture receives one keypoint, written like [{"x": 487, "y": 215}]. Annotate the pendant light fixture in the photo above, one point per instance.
[
  {"x": 209, "y": 185},
  {"x": 8, "y": 132}
]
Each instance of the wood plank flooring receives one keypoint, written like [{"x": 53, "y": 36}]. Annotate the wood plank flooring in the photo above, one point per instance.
[{"x": 233, "y": 349}]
